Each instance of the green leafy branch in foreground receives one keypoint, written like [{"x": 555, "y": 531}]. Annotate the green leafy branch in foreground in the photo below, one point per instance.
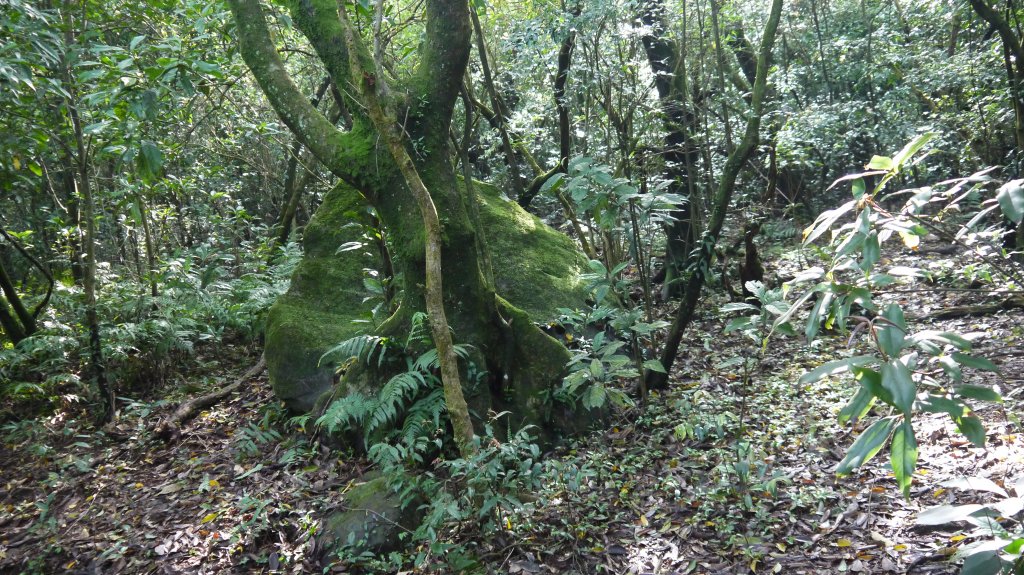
[{"x": 909, "y": 372}]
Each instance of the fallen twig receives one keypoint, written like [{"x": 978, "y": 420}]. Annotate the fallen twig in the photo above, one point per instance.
[{"x": 170, "y": 428}]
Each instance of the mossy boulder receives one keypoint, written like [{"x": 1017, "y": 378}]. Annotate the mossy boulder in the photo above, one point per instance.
[
  {"x": 536, "y": 269},
  {"x": 371, "y": 519},
  {"x": 325, "y": 297}
]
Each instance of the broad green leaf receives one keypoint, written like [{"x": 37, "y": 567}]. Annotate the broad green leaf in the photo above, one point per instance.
[
  {"x": 150, "y": 160},
  {"x": 911, "y": 148},
  {"x": 825, "y": 220},
  {"x": 952, "y": 368},
  {"x": 880, "y": 163},
  {"x": 737, "y": 323},
  {"x": 973, "y": 430},
  {"x": 1011, "y": 200},
  {"x": 904, "y": 456},
  {"x": 1015, "y": 547},
  {"x": 898, "y": 381},
  {"x": 979, "y": 392},
  {"x": 597, "y": 369},
  {"x": 866, "y": 446},
  {"x": 984, "y": 563},
  {"x": 654, "y": 365},
  {"x": 858, "y": 188},
  {"x": 792, "y": 309},
  {"x": 815, "y": 317},
  {"x": 836, "y": 367},
  {"x": 785, "y": 329},
  {"x": 945, "y": 337},
  {"x": 135, "y": 42},
  {"x": 737, "y": 306},
  {"x": 943, "y": 514},
  {"x": 857, "y": 407},
  {"x": 974, "y": 361},
  {"x": 892, "y": 333},
  {"x": 553, "y": 183},
  {"x": 871, "y": 252},
  {"x": 871, "y": 380},
  {"x": 937, "y": 404},
  {"x": 594, "y": 397}
]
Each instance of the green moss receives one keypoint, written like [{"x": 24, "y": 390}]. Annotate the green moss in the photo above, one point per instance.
[
  {"x": 325, "y": 296},
  {"x": 536, "y": 268},
  {"x": 372, "y": 518}
]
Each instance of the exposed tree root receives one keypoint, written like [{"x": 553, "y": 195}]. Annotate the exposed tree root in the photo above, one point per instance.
[{"x": 170, "y": 428}]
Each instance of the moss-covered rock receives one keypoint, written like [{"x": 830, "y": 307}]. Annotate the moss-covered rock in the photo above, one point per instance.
[
  {"x": 325, "y": 296},
  {"x": 536, "y": 269},
  {"x": 371, "y": 519}
]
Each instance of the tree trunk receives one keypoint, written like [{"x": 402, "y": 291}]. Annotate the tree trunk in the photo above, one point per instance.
[
  {"x": 702, "y": 260},
  {"x": 1014, "y": 58},
  {"x": 87, "y": 234},
  {"x": 680, "y": 152},
  {"x": 385, "y": 174}
]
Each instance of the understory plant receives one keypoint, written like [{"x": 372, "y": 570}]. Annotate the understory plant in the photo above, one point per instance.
[
  {"x": 200, "y": 301},
  {"x": 902, "y": 372},
  {"x": 403, "y": 429},
  {"x": 1000, "y": 537}
]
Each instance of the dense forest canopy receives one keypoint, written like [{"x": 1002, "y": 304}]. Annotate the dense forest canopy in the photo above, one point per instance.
[{"x": 478, "y": 248}]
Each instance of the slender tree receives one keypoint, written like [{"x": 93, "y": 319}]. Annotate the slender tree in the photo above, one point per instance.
[{"x": 700, "y": 264}]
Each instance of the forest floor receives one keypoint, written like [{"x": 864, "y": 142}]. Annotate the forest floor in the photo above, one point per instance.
[{"x": 715, "y": 476}]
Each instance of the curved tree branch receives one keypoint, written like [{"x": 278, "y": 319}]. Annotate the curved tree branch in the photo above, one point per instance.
[{"x": 310, "y": 126}]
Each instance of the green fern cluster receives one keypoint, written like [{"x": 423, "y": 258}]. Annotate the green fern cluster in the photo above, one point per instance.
[{"x": 403, "y": 419}]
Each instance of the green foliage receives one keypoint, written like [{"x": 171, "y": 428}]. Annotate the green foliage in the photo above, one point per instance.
[
  {"x": 143, "y": 337},
  {"x": 902, "y": 372},
  {"x": 998, "y": 544},
  {"x": 403, "y": 421}
]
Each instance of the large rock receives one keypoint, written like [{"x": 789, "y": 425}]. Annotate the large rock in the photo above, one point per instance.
[
  {"x": 536, "y": 268},
  {"x": 371, "y": 519}
]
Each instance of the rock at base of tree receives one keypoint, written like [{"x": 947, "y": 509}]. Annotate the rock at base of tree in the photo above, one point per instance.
[
  {"x": 536, "y": 269},
  {"x": 372, "y": 519}
]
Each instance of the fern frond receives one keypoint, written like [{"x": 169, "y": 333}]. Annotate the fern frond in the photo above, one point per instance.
[
  {"x": 346, "y": 413},
  {"x": 398, "y": 392},
  {"x": 424, "y": 416},
  {"x": 428, "y": 360},
  {"x": 361, "y": 347}
]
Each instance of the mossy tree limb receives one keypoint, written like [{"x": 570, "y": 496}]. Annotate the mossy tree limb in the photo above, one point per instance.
[{"x": 387, "y": 125}]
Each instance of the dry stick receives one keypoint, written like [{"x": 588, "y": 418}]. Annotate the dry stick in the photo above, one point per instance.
[
  {"x": 385, "y": 123},
  {"x": 170, "y": 428}
]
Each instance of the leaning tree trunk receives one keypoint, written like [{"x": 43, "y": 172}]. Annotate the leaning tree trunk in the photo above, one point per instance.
[
  {"x": 505, "y": 343},
  {"x": 702, "y": 259}
]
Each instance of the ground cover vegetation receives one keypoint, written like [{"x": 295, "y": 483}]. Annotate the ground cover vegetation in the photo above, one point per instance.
[{"x": 630, "y": 286}]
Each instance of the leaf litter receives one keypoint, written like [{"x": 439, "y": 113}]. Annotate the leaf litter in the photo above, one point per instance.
[{"x": 684, "y": 487}]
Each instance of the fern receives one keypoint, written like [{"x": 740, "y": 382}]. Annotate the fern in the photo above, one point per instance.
[
  {"x": 361, "y": 347},
  {"x": 398, "y": 392},
  {"x": 347, "y": 413},
  {"x": 423, "y": 417}
]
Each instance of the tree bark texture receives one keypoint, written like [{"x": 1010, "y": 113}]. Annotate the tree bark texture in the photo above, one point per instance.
[{"x": 701, "y": 262}]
